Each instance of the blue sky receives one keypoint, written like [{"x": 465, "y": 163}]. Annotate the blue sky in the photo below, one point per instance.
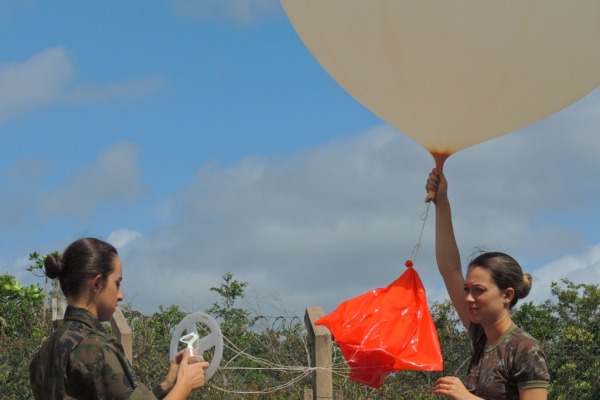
[{"x": 201, "y": 137}]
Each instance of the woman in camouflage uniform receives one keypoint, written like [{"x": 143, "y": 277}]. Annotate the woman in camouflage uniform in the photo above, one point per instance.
[
  {"x": 507, "y": 363},
  {"x": 80, "y": 360}
]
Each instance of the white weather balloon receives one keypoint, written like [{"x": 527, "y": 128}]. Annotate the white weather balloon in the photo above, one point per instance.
[{"x": 454, "y": 73}]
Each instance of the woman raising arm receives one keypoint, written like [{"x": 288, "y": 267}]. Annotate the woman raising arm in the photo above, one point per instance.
[{"x": 507, "y": 363}]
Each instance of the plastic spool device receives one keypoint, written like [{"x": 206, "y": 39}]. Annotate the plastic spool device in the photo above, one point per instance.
[{"x": 205, "y": 343}]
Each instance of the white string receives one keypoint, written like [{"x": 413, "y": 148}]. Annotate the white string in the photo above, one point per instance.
[
  {"x": 340, "y": 369},
  {"x": 418, "y": 245},
  {"x": 265, "y": 365}
]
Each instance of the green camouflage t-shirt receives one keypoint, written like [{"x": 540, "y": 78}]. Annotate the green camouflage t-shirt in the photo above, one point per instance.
[
  {"x": 516, "y": 361},
  {"x": 80, "y": 360}
]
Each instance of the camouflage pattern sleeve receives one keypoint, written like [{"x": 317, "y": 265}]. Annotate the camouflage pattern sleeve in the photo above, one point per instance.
[
  {"x": 102, "y": 373},
  {"x": 142, "y": 393},
  {"x": 79, "y": 360},
  {"x": 35, "y": 376},
  {"x": 531, "y": 369}
]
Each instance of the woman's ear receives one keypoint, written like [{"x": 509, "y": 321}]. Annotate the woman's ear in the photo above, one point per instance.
[
  {"x": 509, "y": 294},
  {"x": 95, "y": 283}
]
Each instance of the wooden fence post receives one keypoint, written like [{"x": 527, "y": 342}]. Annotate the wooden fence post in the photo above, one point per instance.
[
  {"x": 59, "y": 306},
  {"x": 321, "y": 348},
  {"x": 123, "y": 333}
]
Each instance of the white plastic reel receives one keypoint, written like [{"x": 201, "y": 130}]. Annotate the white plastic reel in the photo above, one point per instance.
[{"x": 213, "y": 339}]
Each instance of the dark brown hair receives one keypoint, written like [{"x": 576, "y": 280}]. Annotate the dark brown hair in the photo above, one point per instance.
[{"x": 81, "y": 260}]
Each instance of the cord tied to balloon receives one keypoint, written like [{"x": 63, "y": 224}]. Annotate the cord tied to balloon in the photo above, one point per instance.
[{"x": 410, "y": 262}]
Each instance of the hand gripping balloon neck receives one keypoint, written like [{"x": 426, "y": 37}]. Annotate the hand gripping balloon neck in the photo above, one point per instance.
[
  {"x": 439, "y": 158},
  {"x": 192, "y": 340}
]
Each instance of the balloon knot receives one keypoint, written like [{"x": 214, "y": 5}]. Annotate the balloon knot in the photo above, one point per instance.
[{"x": 408, "y": 263}]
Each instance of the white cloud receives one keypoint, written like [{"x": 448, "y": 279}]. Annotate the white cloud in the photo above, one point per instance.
[
  {"x": 39, "y": 81},
  {"x": 113, "y": 179},
  {"x": 578, "y": 268},
  {"x": 122, "y": 237},
  {"x": 330, "y": 223},
  {"x": 309, "y": 224},
  {"x": 49, "y": 78}
]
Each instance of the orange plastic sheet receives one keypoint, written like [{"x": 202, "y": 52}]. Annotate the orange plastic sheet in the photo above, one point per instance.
[{"x": 385, "y": 330}]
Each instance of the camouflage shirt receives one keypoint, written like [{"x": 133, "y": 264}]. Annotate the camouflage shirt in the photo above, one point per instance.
[
  {"x": 516, "y": 361},
  {"x": 80, "y": 360}
]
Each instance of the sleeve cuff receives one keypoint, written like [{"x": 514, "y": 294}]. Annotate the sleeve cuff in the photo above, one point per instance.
[
  {"x": 159, "y": 392},
  {"x": 533, "y": 385}
]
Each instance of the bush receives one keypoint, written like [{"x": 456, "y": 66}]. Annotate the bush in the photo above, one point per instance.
[{"x": 262, "y": 352}]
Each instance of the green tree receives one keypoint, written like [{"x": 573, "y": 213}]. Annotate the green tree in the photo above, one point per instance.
[
  {"x": 260, "y": 350},
  {"x": 17, "y": 306},
  {"x": 574, "y": 356},
  {"x": 21, "y": 330},
  {"x": 539, "y": 320},
  {"x": 152, "y": 339},
  {"x": 233, "y": 320},
  {"x": 569, "y": 331}
]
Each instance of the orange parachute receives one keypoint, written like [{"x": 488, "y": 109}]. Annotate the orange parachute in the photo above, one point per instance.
[{"x": 385, "y": 330}]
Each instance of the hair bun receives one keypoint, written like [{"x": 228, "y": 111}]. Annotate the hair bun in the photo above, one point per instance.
[
  {"x": 53, "y": 265},
  {"x": 527, "y": 281}
]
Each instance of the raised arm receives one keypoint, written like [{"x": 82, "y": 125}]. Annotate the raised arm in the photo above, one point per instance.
[{"x": 446, "y": 249}]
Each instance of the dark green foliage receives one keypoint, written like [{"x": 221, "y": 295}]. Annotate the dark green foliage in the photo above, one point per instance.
[
  {"x": 234, "y": 321},
  {"x": 152, "y": 338},
  {"x": 23, "y": 324},
  {"x": 569, "y": 330},
  {"x": 261, "y": 351},
  {"x": 254, "y": 347}
]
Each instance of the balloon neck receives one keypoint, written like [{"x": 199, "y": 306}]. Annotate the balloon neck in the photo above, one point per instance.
[{"x": 440, "y": 158}]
